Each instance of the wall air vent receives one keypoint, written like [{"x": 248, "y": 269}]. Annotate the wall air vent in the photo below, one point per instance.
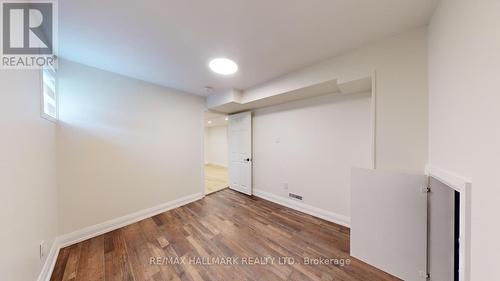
[{"x": 295, "y": 196}]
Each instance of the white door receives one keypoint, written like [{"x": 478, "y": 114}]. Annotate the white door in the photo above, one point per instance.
[
  {"x": 389, "y": 222},
  {"x": 240, "y": 152}
]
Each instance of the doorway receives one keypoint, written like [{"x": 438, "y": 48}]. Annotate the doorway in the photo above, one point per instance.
[{"x": 216, "y": 152}]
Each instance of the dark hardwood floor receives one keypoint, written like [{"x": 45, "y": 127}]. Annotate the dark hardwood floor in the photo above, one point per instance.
[{"x": 205, "y": 234}]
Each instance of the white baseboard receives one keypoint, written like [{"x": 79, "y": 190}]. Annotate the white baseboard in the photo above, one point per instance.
[
  {"x": 302, "y": 207},
  {"x": 50, "y": 262},
  {"x": 101, "y": 228}
]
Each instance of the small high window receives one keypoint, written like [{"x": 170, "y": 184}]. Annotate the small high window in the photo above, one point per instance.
[{"x": 49, "y": 94}]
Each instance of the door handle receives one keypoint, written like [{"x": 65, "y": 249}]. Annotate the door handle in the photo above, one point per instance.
[{"x": 247, "y": 159}]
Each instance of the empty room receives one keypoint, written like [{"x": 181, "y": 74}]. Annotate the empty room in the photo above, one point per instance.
[{"x": 249, "y": 140}]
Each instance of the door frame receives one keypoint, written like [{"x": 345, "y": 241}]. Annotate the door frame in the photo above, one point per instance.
[{"x": 203, "y": 149}]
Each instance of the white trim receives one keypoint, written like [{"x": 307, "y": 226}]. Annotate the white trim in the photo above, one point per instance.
[
  {"x": 373, "y": 117},
  {"x": 453, "y": 180},
  {"x": 462, "y": 185},
  {"x": 50, "y": 262},
  {"x": 305, "y": 208},
  {"x": 203, "y": 151},
  {"x": 101, "y": 228},
  {"x": 98, "y": 229}
]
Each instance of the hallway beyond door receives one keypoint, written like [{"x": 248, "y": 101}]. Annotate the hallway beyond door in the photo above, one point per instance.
[{"x": 216, "y": 178}]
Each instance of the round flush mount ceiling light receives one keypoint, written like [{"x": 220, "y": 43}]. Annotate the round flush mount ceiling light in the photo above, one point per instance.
[{"x": 223, "y": 66}]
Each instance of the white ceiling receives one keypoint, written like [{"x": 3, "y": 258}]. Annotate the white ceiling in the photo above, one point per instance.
[{"x": 169, "y": 42}]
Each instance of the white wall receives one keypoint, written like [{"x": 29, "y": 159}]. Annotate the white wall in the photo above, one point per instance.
[
  {"x": 311, "y": 145},
  {"x": 216, "y": 150},
  {"x": 401, "y": 84},
  {"x": 464, "y": 107},
  {"x": 123, "y": 145},
  {"x": 28, "y": 190}
]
